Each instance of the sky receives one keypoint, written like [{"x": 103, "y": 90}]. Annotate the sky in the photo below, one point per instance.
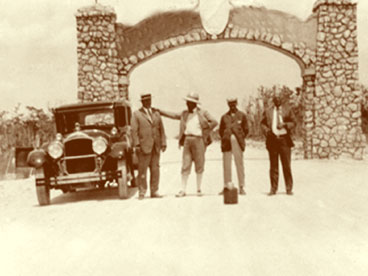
[{"x": 38, "y": 60}]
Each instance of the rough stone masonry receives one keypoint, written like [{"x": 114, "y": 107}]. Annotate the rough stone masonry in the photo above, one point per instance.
[
  {"x": 338, "y": 97},
  {"x": 324, "y": 46},
  {"x": 98, "y": 60}
]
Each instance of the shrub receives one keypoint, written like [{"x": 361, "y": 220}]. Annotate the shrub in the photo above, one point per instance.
[{"x": 25, "y": 129}]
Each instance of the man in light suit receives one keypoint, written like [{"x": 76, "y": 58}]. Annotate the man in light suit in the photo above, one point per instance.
[
  {"x": 277, "y": 123},
  {"x": 194, "y": 135},
  {"x": 149, "y": 140}
]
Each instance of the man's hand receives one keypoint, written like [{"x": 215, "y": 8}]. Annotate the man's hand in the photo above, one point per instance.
[
  {"x": 281, "y": 125},
  {"x": 163, "y": 148}
]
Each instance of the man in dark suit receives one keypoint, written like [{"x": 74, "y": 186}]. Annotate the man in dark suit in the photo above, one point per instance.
[
  {"x": 148, "y": 139},
  {"x": 194, "y": 135},
  {"x": 233, "y": 130},
  {"x": 277, "y": 122}
]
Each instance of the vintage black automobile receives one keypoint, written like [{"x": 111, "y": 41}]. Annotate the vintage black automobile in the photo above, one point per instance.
[{"x": 92, "y": 149}]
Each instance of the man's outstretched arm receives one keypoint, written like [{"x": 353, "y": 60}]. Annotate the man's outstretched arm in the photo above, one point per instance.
[{"x": 168, "y": 114}]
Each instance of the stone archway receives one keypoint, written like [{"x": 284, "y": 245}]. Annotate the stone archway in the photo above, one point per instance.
[{"x": 324, "y": 46}]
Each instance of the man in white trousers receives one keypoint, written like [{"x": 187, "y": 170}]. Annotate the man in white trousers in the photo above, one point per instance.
[{"x": 233, "y": 130}]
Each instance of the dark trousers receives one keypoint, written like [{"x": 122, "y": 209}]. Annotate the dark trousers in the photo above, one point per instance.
[
  {"x": 280, "y": 148},
  {"x": 151, "y": 161}
]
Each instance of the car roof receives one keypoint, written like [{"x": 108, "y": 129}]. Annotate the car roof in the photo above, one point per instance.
[{"x": 93, "y": 105}]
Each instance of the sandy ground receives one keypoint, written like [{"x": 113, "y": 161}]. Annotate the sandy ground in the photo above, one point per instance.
[{"x": 321, "y": 230}]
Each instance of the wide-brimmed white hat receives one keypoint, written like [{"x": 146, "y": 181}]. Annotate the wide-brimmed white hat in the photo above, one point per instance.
[{"x": 192, "y": 97}]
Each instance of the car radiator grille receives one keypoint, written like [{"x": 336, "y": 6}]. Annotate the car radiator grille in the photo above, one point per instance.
[{"x": 78, "y": 157}]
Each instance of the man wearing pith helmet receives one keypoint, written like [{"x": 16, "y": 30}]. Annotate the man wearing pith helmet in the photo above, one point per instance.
[
  {"x": 149, "y": 140},
  {"x": 233, "y": 130},
  {"x": 194, "y": 135}
]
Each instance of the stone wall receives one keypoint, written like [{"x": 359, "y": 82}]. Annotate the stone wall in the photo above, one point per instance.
[
  {"x": 308, "y": 92},
  {"x": 98, "y": 61},
  {"x": 337, "y": 94}
]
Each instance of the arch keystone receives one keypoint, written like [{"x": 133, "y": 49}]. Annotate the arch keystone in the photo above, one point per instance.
[{"x": 214, "y": 15}]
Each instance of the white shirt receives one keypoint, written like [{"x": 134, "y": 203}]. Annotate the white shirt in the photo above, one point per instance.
[
  {"x": 193, "y": 126},
  {"x": 149, "y": 112},
  {"x": 276, "y": 131}
]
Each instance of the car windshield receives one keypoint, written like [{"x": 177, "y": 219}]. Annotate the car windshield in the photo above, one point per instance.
[
  {"x": 101, "y": 118},
  {"x": 68, "y": 121}
]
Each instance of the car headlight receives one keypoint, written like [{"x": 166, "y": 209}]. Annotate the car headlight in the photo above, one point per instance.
[
  {"x": 55, "y": 150},
  {"x": 36, "y": 158},
  {"x": 99, "y": 145}
]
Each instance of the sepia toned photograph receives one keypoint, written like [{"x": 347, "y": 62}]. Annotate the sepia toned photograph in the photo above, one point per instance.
[{"x": 184, "y": 137}]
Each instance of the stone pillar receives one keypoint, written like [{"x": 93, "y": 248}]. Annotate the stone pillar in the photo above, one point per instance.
[
  {"x": 308, "y": 112},
  {"x": 98, "y": 62},
  {"x": 337, "y": 92}
]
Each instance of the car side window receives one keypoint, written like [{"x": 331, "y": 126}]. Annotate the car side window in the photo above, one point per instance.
[{"x": 123, "y": 116}]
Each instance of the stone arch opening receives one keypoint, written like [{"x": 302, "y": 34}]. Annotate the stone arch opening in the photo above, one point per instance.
[{"x": 170, "y": 87}]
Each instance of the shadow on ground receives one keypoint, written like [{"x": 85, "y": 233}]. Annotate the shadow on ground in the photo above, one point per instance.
[{"x": 91, "y": 195}]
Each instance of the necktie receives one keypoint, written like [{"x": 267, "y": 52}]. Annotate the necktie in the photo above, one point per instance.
[{"x": 149, "y": 113}]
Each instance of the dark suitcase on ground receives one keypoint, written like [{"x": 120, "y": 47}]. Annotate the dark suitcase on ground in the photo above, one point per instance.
[{"x": 231, "y": 196}]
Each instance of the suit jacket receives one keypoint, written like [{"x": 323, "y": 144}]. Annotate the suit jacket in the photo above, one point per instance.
[
  {"x": 207, "y": 122},
  {"x": 288, "y": 118},
  {"x": 237, "y": 125},
  {"x": 148, "y": 134}
]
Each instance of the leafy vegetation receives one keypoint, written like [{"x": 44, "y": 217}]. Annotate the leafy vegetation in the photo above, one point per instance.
[{"x": 29, "y": 127}]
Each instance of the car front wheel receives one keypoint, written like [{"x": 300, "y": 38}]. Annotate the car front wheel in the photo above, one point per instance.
[
  {"x": 43, "y": 192},
  {"x": 122, "y": 181}
]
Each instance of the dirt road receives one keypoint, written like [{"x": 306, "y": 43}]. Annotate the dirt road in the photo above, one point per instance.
[{"x": 321, "y": 230}]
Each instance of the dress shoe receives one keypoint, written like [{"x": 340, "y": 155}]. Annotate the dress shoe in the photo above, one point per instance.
[
  {"x": 140, "y": 197},
  {"x": 242, "y": 191},
  {"x": 221, "y": 193},
  {"x": 180, "y": 194},
  {"x": 289, "y": 193},
  {"x": 156, "y": 195},
  {"x": 199, "y": 193},
  {"x": 271, "y": 193}
]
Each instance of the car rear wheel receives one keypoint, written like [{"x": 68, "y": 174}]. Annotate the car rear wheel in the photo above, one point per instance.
[
  {"x": 122, "y": 181},
  {"x": 43, "y": 192}
]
